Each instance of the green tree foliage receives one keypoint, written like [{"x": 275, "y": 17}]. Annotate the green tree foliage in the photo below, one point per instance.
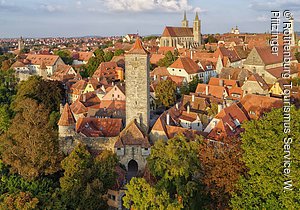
[
  {"x": 175, "y": 164},
  {"x": 46, "y": 92},
  {"x": 213, "y": 110},
  {"x": 7, "y": 86},
  {"x": 194, "y": 83},
  {"x": 141, "y": 195},
  {"x": 167, "y": 60},
  {"x": 86, "y": 180},
  {"x": 7, "y": 59},
  {"x": 211, "y": 39},
  {"x": 165, "y": 93},
  {"x": 119, "y": 52},
  {"x": 44, "y": 189},
  {"x": 263, "y": 144},
  {"x": 108, "y": 56},
  {"x": 65, "y": 55},
  {"x": 30, "y": 145},
  {"x": 4, "y": 118}
]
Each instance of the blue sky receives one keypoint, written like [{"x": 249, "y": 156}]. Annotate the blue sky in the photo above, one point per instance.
[{"x": 44, "y": 18}]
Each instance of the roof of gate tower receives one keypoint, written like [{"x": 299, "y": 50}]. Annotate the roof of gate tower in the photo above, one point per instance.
[{"x": 138, "y": 48}]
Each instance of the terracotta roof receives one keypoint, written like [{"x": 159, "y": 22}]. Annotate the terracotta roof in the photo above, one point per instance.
[
  {"x": 187, "y": 64},
  {"x": 164, "y": 50},
  {"x": 235, "y": 74},
  {"x": 230, "y": 119},
  {"x": 259, "y": 104},
  {"x": 260, "y": 80},
  {"x": 132, "y": 135},
  {"x": 18, "y": 64},
  {"x": 78, "y": 108},
  {"x": 160, "y": 71},
  {"x": 226, "y": 53},
  {"x": 49, "y": 60},
  {"x": 66, "y": 118},
  {"x": 216, "y": 91},
  {"x": 276, "y": 72},
  {"x": 80, "y": 85},
  {"x": 85, "y": 56},
  {"x": 138, "y": 48},
  {"x": 99, "y": 127},
  {"x": 268, "y": 58},
  {"x": 175, "y": 130},
  {"x": 155, "y": 58},
  {"x": 226, "y": 82},
  {"x": 177, "y": 32},
  {"x": 177, "y": 80},
  {"x": 199, "y": 103}
]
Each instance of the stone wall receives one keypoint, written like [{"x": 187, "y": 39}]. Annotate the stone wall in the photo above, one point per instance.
[{"x": 67, "y": 144}]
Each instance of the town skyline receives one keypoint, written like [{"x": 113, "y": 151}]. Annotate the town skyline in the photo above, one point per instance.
[{"x": 102, "y": 18}]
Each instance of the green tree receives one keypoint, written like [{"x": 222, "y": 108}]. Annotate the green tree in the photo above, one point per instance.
[
  {"x": 46, "y": 92},
  {"x": 65, "y": 55},
  {"x": 30, "y": 146},
  {"x": 119, "y": 52},
  {"x": 175, "y": 164},
  {"x": 194, "y": 83},
  {"x": 213, "y": 110},
  {"x": 5, "y": 116},
  {"x": 165, "y": 93},
  {"x": 167, "y": 60},
  {"x": 141, "y": 195},
  {"x": 93, "y": 64},
  {"x": 264, "y": 144},
  {"x": 108, "y": 56},
  {"x": 85, "y": 180}
]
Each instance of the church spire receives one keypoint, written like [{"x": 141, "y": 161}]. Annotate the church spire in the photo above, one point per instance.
[
  {"x": 184, "y": 16},
  {"x": 197, "y": 17},
  {"x": 185, "y": 22}
]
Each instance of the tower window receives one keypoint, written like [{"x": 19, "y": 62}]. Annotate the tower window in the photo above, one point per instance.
[{"x": 135, "y": 58}]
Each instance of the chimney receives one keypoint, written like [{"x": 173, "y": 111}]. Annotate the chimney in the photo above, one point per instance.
[
  {"x": 246, "y": 78},
  {"x": 188, "y": 109},
  {"x": 191, "y": 54},
  {"x": 193, "y": 98},
  {"x": 229, "y": 76},
  {"x": 83, "y": 98},
  {"x": 221, "y": 82},
  {"x": 112, "y": 83},
  {"x": 168, "y": 118},
  {"x": 206, "y": 90},
  {"x": 177, "y": 105},
  {"x": 220, "y": 107}
]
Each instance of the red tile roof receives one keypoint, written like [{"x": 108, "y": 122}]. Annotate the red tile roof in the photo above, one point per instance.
[
  {"x": 66, "y": 118},
  {"x": 49, "y": 60},
  {"x": 138, "y": 48},
  {"x": 216, "y": 91},
  {"x": 187, "y": 64},
  {"x": 99, "y": 127},
  {"x": 177, "y": 32}
]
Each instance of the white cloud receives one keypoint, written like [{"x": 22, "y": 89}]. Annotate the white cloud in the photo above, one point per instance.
[
  {"x": 51, "y": 8},
  {"x": 147, "y": 5},
  {"x": 263, "y": 18},
  {"x": 275, "y": 4}
]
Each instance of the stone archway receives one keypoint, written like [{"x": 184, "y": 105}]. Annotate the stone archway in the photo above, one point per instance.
[{"x": 132, "y": 169}]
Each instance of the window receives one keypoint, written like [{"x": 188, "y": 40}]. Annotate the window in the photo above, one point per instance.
[
  {"x": 119, "y": 149},
  {"x": 146, "y": 149},
  {"x": 135, "y": 58}
]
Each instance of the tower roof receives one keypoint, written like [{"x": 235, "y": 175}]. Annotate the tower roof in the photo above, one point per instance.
[
  {"x": 197, "y": 17},
  {"x": 66, "y": 118},
  {"x": 138, "y": 48},
  {"x": 184, "y": 16}
]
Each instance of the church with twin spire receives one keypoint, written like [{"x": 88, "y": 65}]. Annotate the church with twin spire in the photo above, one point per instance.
[{"x": 184, "y": 36}]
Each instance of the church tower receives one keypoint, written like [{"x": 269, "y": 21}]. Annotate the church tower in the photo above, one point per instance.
[
  {"x": 185, "y": 22},
  {"x": 293, "y": 38},
  {"x": 21, "y": 44},
  {"x": 197, "y": 30},
  {"x": 137, "y": 63}
]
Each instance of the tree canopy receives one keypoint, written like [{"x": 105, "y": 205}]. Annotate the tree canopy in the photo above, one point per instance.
[
  {"x": 266, "y": 150},
  {"x": 30, "y": 145},
  {"x": 65, "y": 55},
  {"x": 167, "y": 60},
  {"x": 165, "y": 93}
]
